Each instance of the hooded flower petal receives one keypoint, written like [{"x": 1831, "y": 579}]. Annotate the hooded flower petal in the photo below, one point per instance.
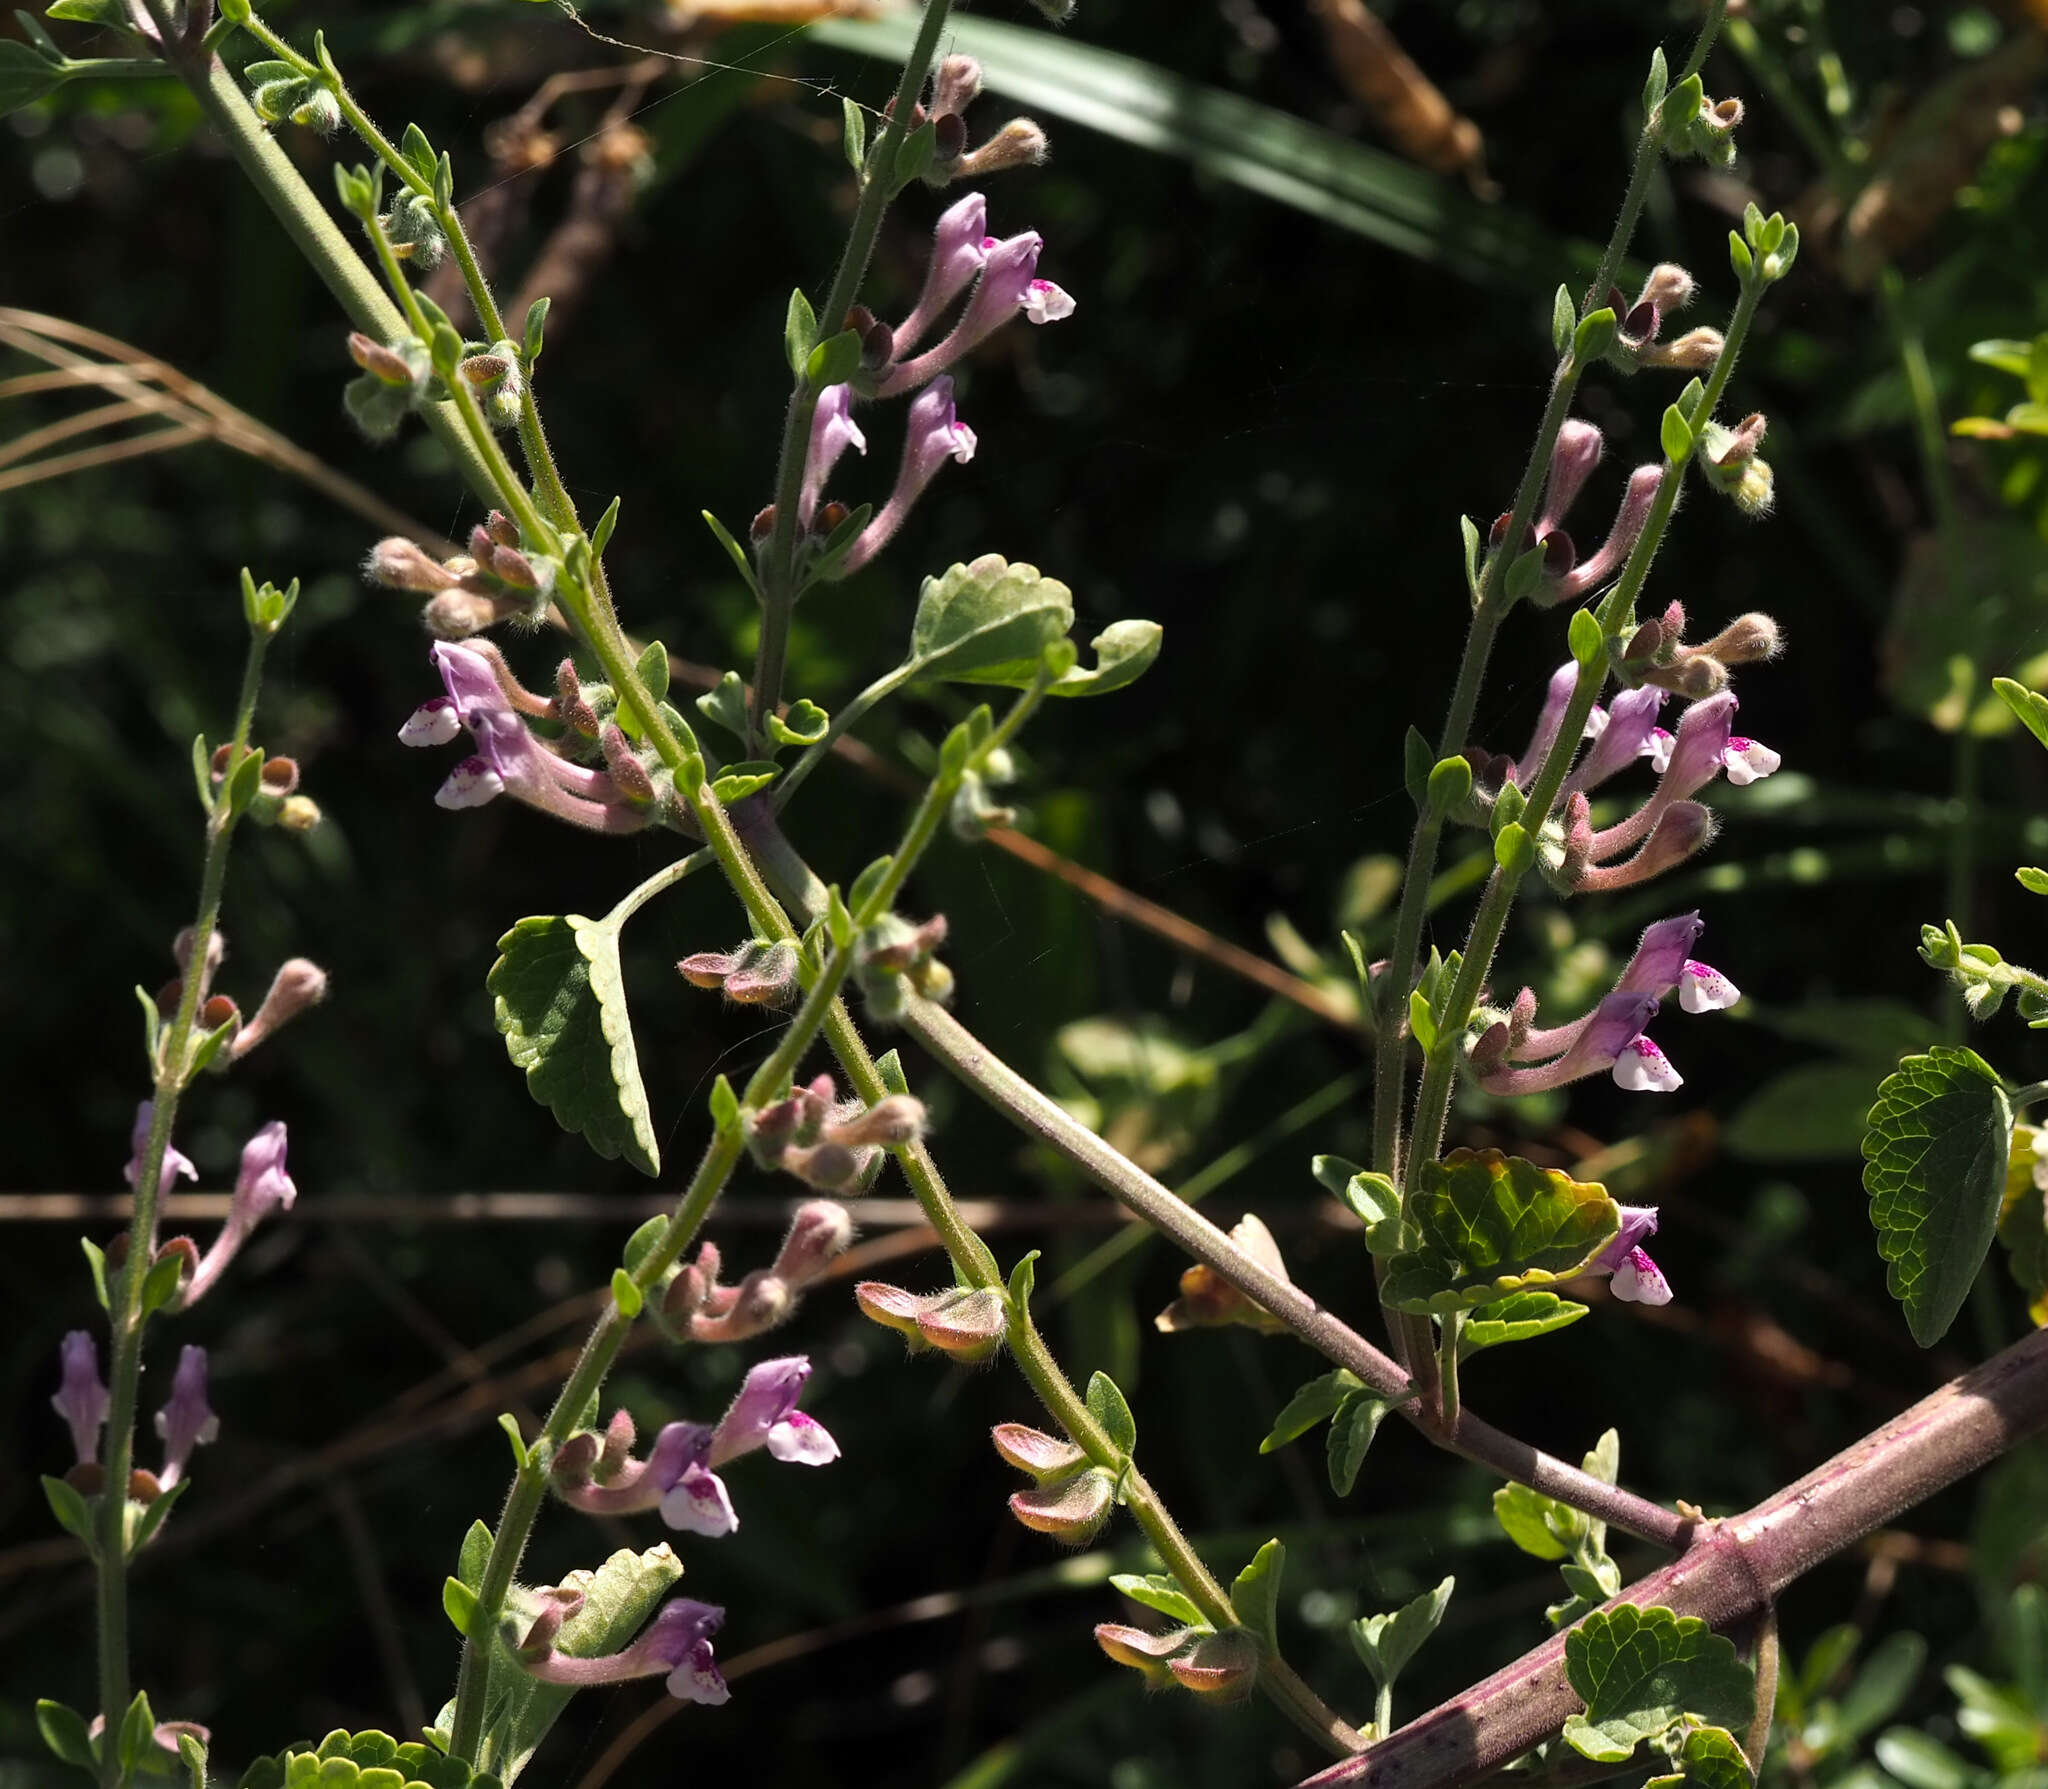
[
  {"x": 433, "y": 722},
  {"x": 1705, "y": 990},
  {"x": 1643, "y": 1068},
  {"x": 1044, "y": 302},
  {"x": 698, "y": 1503},
  {"x": 1638, "y": 1281},
  {"x": 470, "y": 784},
  {"x": 1748, "y": 760},
  {"x": 802, "y": 1440}
]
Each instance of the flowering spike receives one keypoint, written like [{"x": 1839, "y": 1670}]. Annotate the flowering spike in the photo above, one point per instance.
[
  {"x": 81, "y": 1400},
  {"x": 1008, "y": 285},
  {"x": 1071, "y": 1510}
]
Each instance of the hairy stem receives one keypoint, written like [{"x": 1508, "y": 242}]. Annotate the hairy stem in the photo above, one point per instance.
[{"x": 125, "y": 1319}]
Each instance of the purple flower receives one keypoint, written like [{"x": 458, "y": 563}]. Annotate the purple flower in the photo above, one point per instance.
[
  {"x": 698, "y": 1503},
  {"x": 676, "y": 1643},
  {"x": 508, "y": 758},
  {"x": 1556, "y": 698},
  {"x": 1631, "y": 717},
  {"x": 959, "y": 250},
  {"x": 1572, "y": 460},
  {"x": 1008, "y": 285},
  {"x": 1705, "y": 990},
  {"x": 1638, "y": 1280},
  {"x": 1569, "y": 1053},
  {"x": 935, "y": 435},
  {"x": 175, "y": 1163},
  {"x": 81, "y": 1400},
  {"x": 261, "y": 1187},
  {"x": 833, "y": 431},
  {"x": 1748, "y": 760},
  {"x": 1629, "y": 522},
  {"x": 186, "y": 1421},
  {"x": 765, "y": 1415}
]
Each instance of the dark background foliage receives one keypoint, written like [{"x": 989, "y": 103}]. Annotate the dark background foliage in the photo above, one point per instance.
[{"x": 1259, "y": 430}]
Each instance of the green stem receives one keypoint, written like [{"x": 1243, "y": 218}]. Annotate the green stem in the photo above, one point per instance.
[
  {"x": 306, "y": 221},
  {"x": 778, "y": 570},
  {"x": 1449, "y": 1329},
  {"x": 125, "y": 1320}
]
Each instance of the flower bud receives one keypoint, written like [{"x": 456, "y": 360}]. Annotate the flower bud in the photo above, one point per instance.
[
  {"x": 400, "y": 564},
  {"x": 1030, "y": 1450},
  {"x": 1669, "y": 287},
  {"x": 760, "y": 1302},
  {"x": 1143, "y": 1652},
  {"x": 1693, "y": 352},
  {"x": 319, "y": 112},
  {"x": 763, "y": 524},
  {"x": 820, "y": 1231},
  {"x": 829, "y": 1166},
  {"x": 1071, "y": 1510},
  {"x": 955, "y": 84},
  {"x": 1021, "y": 143},
  {"x": 1683, "y": 829},
  {"x": 298, "y": 984},
  {"x": 413, "y": 223},
  {"x": 890, "y": 1122},
  {"x": 457, "y": 614},
  {"x": 575, "y": 1461},
  {"x": 299, "y": 813},
  {"x": 766, "y": 977},
  {"x": 1222, "y": 1666},
  {"x": 1693, "y": 677},
  {"x": 1207, "y": 1300},
  {"x": 401, "y": 367},
  {"x": 628, "y": 774}
]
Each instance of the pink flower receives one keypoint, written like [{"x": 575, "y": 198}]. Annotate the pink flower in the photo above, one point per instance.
[
  {"x": 81, "y": 1400},
  {"x": 935, "y": 435},
  {"x": 186, "y": 1421}
]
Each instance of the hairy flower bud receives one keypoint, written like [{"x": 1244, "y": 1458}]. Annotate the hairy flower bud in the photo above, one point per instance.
[
  {"x": 1071, "y": 1510},
  {"x": 1220, "y": 1666},
  {"x": 457, "y": 614},
  {"x": 401, "y": 564},
  {"x": 820, "y": 1231},
  {"x": 1043, "y": 1456},
  {"x": 1693, "y": 352},
  {"x": 1022, "y": 143},
  {"x": 628, "y": 774},
  {"x": 955, "y": 83},
  {"x": 298, "y": 984}
]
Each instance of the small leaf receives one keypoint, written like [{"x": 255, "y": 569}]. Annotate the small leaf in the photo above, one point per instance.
[
  {"x": 726, "y": 703},
  {"x": 1588, "y": 644},
  {"x": 153, "y": 1517},
  {"x": 2032, "y": 880},
  {"x": 1387, "y": 1642},
  {"x": 1564, "y": 318},
  {"x": 1417, "y": 761},
  {"x": 1468, "y": 532},
  {"x": 2030, "y": 706},
  {"x": 914, "y": 154},
  {"x": 724, "y": 1104},
  {"x": 1488, "y": 1225},
  {"x": 1450, "y": 784},
  {"x": 534, "y": 336},
  {"x": 1315, "y": 1402},
  {"x": 475, "y": 1555},
  {"x": 64, "y": 1732},
  {"x": 626, "y": 1293},
  {"x": 1674, "y": 434},
  {"x": 1124, "y": 652},
  {"x": 243, "y": 781},
  {"x": 1658, "y": 82},
  {"x": 138, "y": 1732},
  {"x": 1936, "y": 1150},
  {"x": 559, "y": 999},
  {"x": 742, "y": 780},
  {"x": 1110, "y": 1408},
  {"x": 867, "y": 883},
  {"x": 799, "y": 330},
  {"x": 805, "y": 724},
  {"x": 26, "y": 75},
  {"x": 733, "y": 548},
  {"x": 856, "y": 126},
  {"x": 1640, "y": 1670},
  {"x": 161, "y": 1282},
  {"x": 73, "y": 1513},
  {"x": 1880, "y": 1687},
  {"x": 1158, "y": 1592},
  {"x": 96, "y": 1265},
  {"x": 1357, "y": 1421},
  {"x": 1023, "y": 1278},
  {"x": 458, "y": 1601},
  {"x": 1594, "y": 335},
  {"x": 1519, "y": 1317},
  {"x": 651, "y": 667},
  {"x": 833, "y": 361},
  {"x": 1533, "y": 1521},
  {"x": 1256, "y": 1594},
  {"x": 510, "y": 1424},
  {"x": 1422, "y": 1021}
]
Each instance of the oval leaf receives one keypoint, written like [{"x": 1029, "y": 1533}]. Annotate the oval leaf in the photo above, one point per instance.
[
  {"x": 1315, "y": 1402},
  {"x": 1519, "y": 1317},
  {"x": 1490, "y": 1225},
  {"x": 1936, "y": 1148},
  {"x": 988, "y": 622},
  {"x": 1357, "y": 1421},
  {"x": 1256, "y": 1594},
  {"x": 1110, "y": 1408},
  {"x": 1640, "y": 1670},
  {"x": 560, "y": 1002}
]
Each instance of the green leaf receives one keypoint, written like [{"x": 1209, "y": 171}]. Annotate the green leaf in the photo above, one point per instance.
[
  {"x": 1315, "y": 1402},
  {"x": 1520, "y": 1317},
  {"x": 834, "y": 360},
  {"x": 534, "y": 336},
  {"x": 1810, "y": 1113},
  {"x": 914, "y": 154},
  {"x": 2030, "y": 706},
  {"x": 856, "y": 126},
  {"x": 805, "y": 724},
  {"x": 1674, "y": 434},
  {"x": 739, "y": 781},
  {"x": 1921, "y": 1761},
  {"x": 2023, "y": 1225},
  {"x": 161, "y": 1282},
  {"x": 96, "y": 1265},
  {"x": 73, "y": 1513},
  {"x": 2032, "y": 880},
  {"x": 64, "y": 1732},
  {"x": 1023, "y": 1279},
  {"x": 734, "y": 550},
  {"x": 1640, "y": 1670},
  {"x": 1711, "y": 1758},
  {"x": 626, "y": 1293},
  {"x": 1256, "y": 1594},
  {"x": 1158, "y": 1592},
  {"x": 1936, "y": 1152},
  {"x": 1879, "y": 1688},
  {"x": 1468, "y": 533},
  {"x": 726, "y": 703},
  {"x": 1422, "y": 1021},
  {"x": 154, "y": 1516},
  {"x": 137, "y": 1734},
  {"x": 26, "y": 75},
  {"x": 1320, "y": 172},
  {"x": 867, "y": 883},
  {"x": 458, "y": 1602},
  {"x": 1387, "y": 1642},
  {"x": 1124, "y": 652},
  {"x": 510, "y": 1424},
  {"x": 243, "y": 781},
  {"x": 799, "y": 330},
  {"x": 1594, "y": 335},
  {"x": 1531, "y": 1521},
  {"x": 1110, "y": 1408},
  {"x": 724, "y": 1105},
  {"x": 651, "y": 667},
  {"x": 1588, "y": 644},
  {"x": 559, "y": 999},
  {"x": 105, "y": 13},
  {"x": 1564, "y": 318},
  {"x": 1489, "y": 1225},
  {"x": 1450, "y": 784},
  {"x": 1357, "y": 1421},
  {"x": 987, "y": 623},
  {"x": 476, "y": 1553},
  {"x": 1417, "y": 761}
]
